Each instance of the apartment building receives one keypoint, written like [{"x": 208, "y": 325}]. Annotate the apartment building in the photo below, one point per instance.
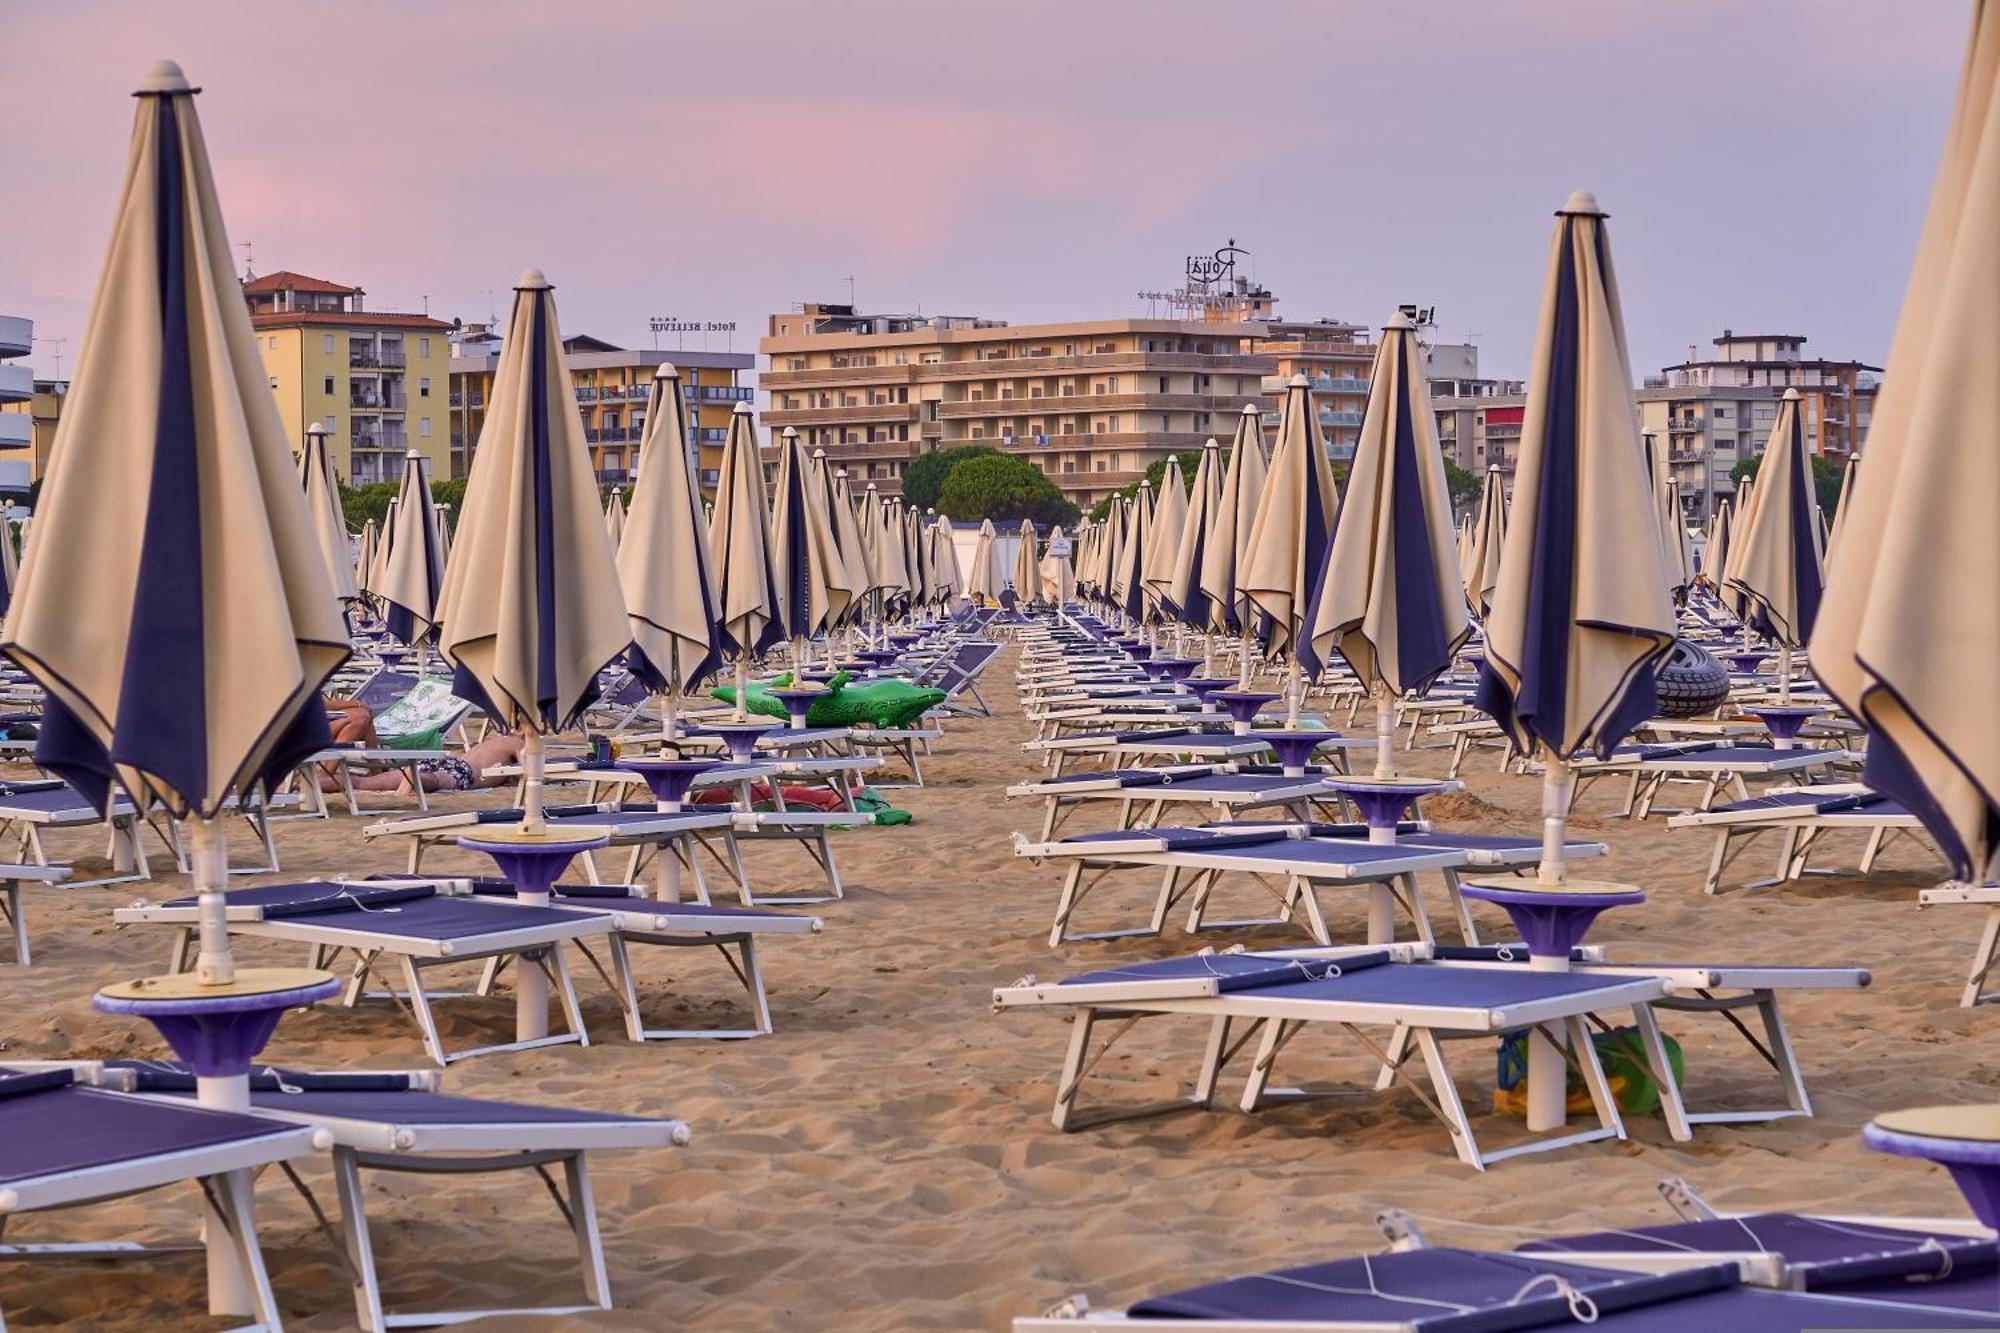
[
  {"x": 19, "y": 462},
  {"x": 375, "y": 379},
  {"x": 1336, "y": 358},
  {"x": 1836, "y": 398},
  {"x": 1091, "y": 403},
  {"x": 613, "y": 387}
]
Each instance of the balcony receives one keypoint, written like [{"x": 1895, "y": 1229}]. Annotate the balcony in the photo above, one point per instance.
[
  {"x": 711, "y": 435},
  {"x": 363, "y": 401},
  {"x": 368, "y": 358},
  {"x": 17, "y": 384},
  {"x": 1074, "y": 404},
  {"x": 1685, "y": 426},
  {"x": 586, "y": 395},
  {"x": 611, "y": 435},
  {"x": 861, "y": 413},
  {"x": 17, "y": 430},
  {"x": 720, "y": 393},
  {"x": 1340, "y": 418},
  {"x": 1239, "y": 363},
  {"x": 17, "y": 336}
]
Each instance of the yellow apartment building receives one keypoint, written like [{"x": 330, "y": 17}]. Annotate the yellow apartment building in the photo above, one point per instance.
[
  {"x": 376, "y": 379},
  {"x": 1091, "y": 403},
  {"x": 613, "y": 387}
]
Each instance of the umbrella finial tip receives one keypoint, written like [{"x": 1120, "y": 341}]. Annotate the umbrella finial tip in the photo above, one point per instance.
[
  {"x": 1399, "y": 320},
  {"x": 1211, "y": 443},
  {"x": 1251, "y": 410},
  {"x": 666, "y": 370},
  {"x": 1583, "y": 201},
  {"x": 1791, "y": 395},
  {"x": 164, "y": 76},
  {"x": 1300, "y": 382},
  {"x": 742, "y": 409},
  {"x": 531, "y": 278}
]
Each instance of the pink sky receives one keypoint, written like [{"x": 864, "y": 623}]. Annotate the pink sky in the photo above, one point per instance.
[{"x": 1766, "y": 164}]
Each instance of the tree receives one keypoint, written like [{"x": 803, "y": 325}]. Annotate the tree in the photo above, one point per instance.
[
  {"x": 358, "y": 504},
  {"x": 923, "y": 480},
  {"x": 1463, "y": 486},
  {"x": 1189, "y": 460},
  {"x": 1825, "y": 474},
  {"x": 1004, "y": 489}
]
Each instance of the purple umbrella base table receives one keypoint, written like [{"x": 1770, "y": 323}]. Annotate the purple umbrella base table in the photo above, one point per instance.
[
  {"x": 1382, "y": 801},
  {"x": 1746, "y": 662},
  {"x": 219, "y": 1029},
  {"x": 1243, "y": 706},
  {"x": 798, "y": 701},
  {"x": 1965, "y": 1140},
  {"x": 1784, "y": 721},
  {"x": 532, "y": 862},
  {"x": 740, "y": 737},
  {"x": 670, "y": 780},
  {"x": 1294, "y": 748}
]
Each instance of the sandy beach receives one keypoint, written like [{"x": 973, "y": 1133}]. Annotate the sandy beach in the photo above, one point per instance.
[{"x": 885, "y": 1160}]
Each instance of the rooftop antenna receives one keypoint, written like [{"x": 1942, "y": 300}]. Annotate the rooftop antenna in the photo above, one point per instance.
[
  {"x": 427, "y": 305},
  {"x": 249, "y": 272},
  {"x": 850, "y": 291},
  {"x": 59, "y": 344}
]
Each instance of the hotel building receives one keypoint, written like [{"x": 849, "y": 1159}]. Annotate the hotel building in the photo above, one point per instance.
[
  {"x": 19, "y": 460},
  {"x": 1091, "y": 403},
  {"x": 375, "y": 379},
  {"x": 613, "y": 386}
]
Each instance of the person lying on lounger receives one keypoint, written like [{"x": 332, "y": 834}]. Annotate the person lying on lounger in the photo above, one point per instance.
[{"x": 355, "y": 724}]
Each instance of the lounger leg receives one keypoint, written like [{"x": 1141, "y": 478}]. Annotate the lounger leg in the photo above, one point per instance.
[
  {"x": 1982, "y": 961},
  {"x": 1877, "y": 838},
  {"x": 420, "y": 1007},
  {"x": 1211, "y": 1062},
  {"x": 752, "y": 972},
  {"x": 1671, "y": 1105},
  {"x": 554, "y": 960},
  {"x": 1779, "y": 1041},
  {"x": 18, "y": 919},
  {"x": 1315, "y": 919},
  {"x": 1712, "y": 885},
  {"x": 1276, "y": 1033},
  {"x": 1066, "y": 902},
  {"x": 628, "y": 988},
  {"x": 1449, "y": 1104},
  {"x": 583, "y": 1221},
  {"x": 367, "y": 1288},
  {"x": 1072, "y": 1070},
  {"x": 1394, "y": 1055},
  {"x": 1468, "y": 930},
  {"x": 1169, "y": 885},
  {"x": 231, "y": 1190},
  {"x": 1593, "y": 1074}
]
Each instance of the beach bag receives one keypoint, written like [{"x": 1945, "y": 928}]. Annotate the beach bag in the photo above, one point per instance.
[
  {"x": 870, "y": 801},
  {"x": 1621, "y": 1053}
]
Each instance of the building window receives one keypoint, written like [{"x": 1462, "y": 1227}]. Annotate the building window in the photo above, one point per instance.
[
  {"x": 424, "y": 427},
  {"x": 424, "y": 384},
  {"x": 326, "y": 385},
  {"x": 423, "y": 347},
  {"x": 328, "y": 344},
  {"x": 274, "y": 342},
  {"x": 332, "y": 422}
]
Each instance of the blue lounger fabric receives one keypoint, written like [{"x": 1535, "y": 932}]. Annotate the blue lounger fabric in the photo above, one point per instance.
[
  {"x": 1825, "y": 1254},
  {"x": 48, "y": 1128}
]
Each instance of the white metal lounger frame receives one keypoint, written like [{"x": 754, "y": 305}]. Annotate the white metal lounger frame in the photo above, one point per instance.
[
  {"x": 223, "y": 1172},
  {"x": 12, "y": 907},
  {"x": 1800, "y": 829},
  {"x": 124, "y": 850},
  {"x": 1974, "y": 992},
  {"x": 326, "y": 943},
  {"x": 1141, "y": 806},
  {"x": 1275, "y": 1021}
]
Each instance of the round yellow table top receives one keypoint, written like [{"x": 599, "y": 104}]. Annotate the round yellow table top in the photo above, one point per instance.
[
  {"x": 1970, "y": 1124},
  {"x": 249, "y": 981}
]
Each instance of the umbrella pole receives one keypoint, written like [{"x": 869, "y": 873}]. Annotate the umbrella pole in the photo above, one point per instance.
[
  {"x": 1784, "y": 675},
  {"x": 1556, "y": 784},
  {"x": 534, "y": 764},
  {"x": 1207, "y": 656},
  {"x": 1243, "y": 679},
  {"x": 1294, "y": 687},
  {"x": 742, "y": 687},
  {"x": 1385, "y": 730},
  {"x": 208, "y": 858}
]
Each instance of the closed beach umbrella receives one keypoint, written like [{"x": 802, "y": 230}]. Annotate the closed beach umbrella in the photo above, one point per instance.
[
  {"x": 1775, "y": 560},
  {"x": 1163, "y": 543},
  {"x": 1718, "y": 544},
  {"x": 1184, "y": 591},
  {"x": 1290, "y": 539},
  {"x": 806, "y": 561},
  {"x": 1840, "y": 507},
  {"x": 981, "y": 582},
  {"x": 377, "y": 568},
  {"x": 917, "y": 554},
  {"x": 329, "y": 524},
  {"x": 1581, "y": 614},
  {"x": 442, "y": 518},
  {"x": 739, "y": 538},
  {"x": 10, "y": 565},
  {"x": 1909, "y": 631},
  {"x": 664, "y": 566},
  {"x": 413, "y": 571},
  {"x": 174, "y": 603},
  {"x": 614, "y": 517},
  {"x": 846, "y": 534},
  {"x": 530, "y": 607},
  {"x": 1489, "y": 538},
  {"x": 1464, "y": 549},
  {"x": 1128, "y": 576},
  {"x": 1027, "y": 570},
  {"x": 1673, "y": 528},
  {"x": 948, "y": 580},
  {"x": 1058, "y": 576},
  {"x": 1227, "y": 554},
  {"x": 1392, "y": 603},
  {"x": 1725, "y": 560},
  {"x": 366, "y": 549}
]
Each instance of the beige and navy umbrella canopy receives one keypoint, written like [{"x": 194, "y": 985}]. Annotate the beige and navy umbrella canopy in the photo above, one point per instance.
[
  {"x": 1840, "y": 507},
  {"x": 614, "y": 517},
  {"x": 1163, "y": 543},
  {"x": 917, "y": 554},
  {"x": 1027, "y": 569},
  {"x": 1184, "y": 591},
  {"x": 413, "y": 570},
  {"x": 364, "y": 556},
  {"x": 981, "y": 580},
  {"x": 1227, "y": 553},
  {"x": 1058, "y": 575},
  {"x": 947, "y": 579},
  {"x": 846, "y": 525},
  {"x": 1392, "y": 603},
  {"x": 810, "y": 570},
  {"x": 531, "y": 607},
  {"x": 174, "y": 603},
  {"x": 1909, "y": 631},
  {"x": 739, "y": 539},
  {"x": 1725, "y": 559},
  {"x": 1776, "y": 555},
  {"x": 1718, "y": 544},
  {"x": 1292, "y": 534},
  {"x": 1128, "y": 576},
  {"x": 1673, "y": 528},
  {"x": 664, "y": 566},
  {"x": 1489, "y": 538},
  {"x": 1580, "y": 616},
  {"x": 323, "y": 511}
]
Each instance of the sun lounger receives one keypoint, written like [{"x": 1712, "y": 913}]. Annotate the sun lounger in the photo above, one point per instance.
[
  {"x": 12, "y": 877},
  {"x": 1802, "y": 818},
  {"x": 1203, "y": 791},
  {"x": 29, "y": 808},
  {"x": 410, "y": 926},
  {"x": 399, "y": 1122},
  {"x": 1988, "y": 953},
  {"x": 1452, "y": 1289},
  {"x": 640, "y": 827},
  {"x": 958, "y": 676},
  {"x": 63, "y": 1145},
  {"x": 1276, "y": 996},
  {"x": 1649, "y": 769}
]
